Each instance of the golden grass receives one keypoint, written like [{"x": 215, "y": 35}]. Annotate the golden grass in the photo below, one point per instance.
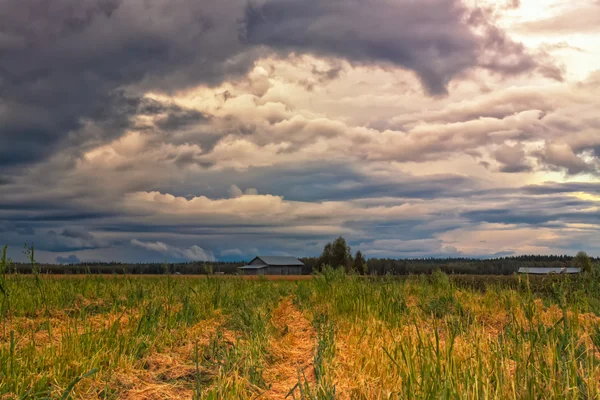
[
  {"x": 291, "y": 349},
  {"x": 363, "y": 369},
  {"x": 333, "y": 337}
]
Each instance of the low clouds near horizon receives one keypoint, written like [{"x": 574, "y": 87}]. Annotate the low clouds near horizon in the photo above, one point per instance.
[{"x": 141, "y": 131}]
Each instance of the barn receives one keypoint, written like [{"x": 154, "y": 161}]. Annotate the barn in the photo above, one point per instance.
[
  {"x": 272, "y": 265},
  {"x": 545, "y": 271}
]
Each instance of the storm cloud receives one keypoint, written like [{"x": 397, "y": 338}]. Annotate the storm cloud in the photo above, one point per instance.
[
  {"x": 144, "y": 131},
  {"x": 72, "y": 71},
  {"x": 68, "y": 65},
  {"x": 434, "y": 38}
]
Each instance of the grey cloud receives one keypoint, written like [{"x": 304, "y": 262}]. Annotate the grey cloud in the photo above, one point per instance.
[
  {"x": 72, "y": 71},
  {"x": 71, "y": 78},
  {"x": 21, "y": 228},
  {"x": 323, "y": 181},
  {"x": 180, "y": 119},
  {"x": 560, "y": 156},
  {"x": 428, "y": 37},
  {"x": 321, "y": 76},
  {"x": 77, "y": 234},
  {"x": 515, "y": 168},
  {"x": 74, "y": 59},
  {"x": 545, "y": 205},
  {"x": 70, "y": 239},
  {"x": 512, "y": 159},
  {"x": 549, "y": 205}
]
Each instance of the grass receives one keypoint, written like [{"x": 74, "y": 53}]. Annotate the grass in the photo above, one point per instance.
[{"x": 333, "y": 336}]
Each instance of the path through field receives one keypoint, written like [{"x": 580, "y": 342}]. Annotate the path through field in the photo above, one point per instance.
[{"x": 292, "y": 348}]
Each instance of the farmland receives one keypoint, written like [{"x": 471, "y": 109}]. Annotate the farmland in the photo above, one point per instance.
[{"x": 329, "y": 336}]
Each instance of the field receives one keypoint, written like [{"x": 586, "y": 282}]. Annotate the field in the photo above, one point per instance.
[{"x": 325, "y": 337}]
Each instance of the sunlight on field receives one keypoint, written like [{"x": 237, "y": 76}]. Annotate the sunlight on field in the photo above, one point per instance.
[{"x": 332, "y": 336}]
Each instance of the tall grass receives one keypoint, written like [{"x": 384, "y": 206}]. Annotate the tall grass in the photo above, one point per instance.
[
  {"x": 57, "y": 330},
  {"x": 210, "y": 338},
  {"x": 425, "y": 338}
]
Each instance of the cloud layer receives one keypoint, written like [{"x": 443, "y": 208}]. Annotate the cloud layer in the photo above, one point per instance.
[{"x": 139, "y": 131}]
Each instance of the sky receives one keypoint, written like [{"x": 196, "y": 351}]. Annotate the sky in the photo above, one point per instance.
[{"x": 196, "y": 130}]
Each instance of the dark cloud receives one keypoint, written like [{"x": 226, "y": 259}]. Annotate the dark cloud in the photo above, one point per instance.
[
  {"x": 562, "y": 157},
  {"x": 73, "y": 74},
  {"x": 512, "y": 159},
  {"x": 67, "y": 62},
  {"x": 538, "y": 211},
  {"x": 169, "y": 116},
  {"x": 498, "y": 52},
  {"x": 18, "y": 228},
  {"x": 69, "y": 239},
  {"x": 428, "y": 37},
  {"x": 178, "y": 119},
  {"x": 511, "y": 169},
  {"x": 507, "y": 216},
  {"x": 76, "y": 234},
  {"x": 63, "y": 216},
  {"x": 320, "y": 77},
  {"x": 71, "y": 71}
]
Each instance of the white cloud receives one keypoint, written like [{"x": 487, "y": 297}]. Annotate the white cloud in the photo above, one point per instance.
[
  {"x": 234, "y": 191},
  {"x": 153, "y": 246},
  {"x": 193, "y": 253}
]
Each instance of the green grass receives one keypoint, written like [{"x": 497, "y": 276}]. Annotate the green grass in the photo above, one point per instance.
[{"x": 420, "y": 337}]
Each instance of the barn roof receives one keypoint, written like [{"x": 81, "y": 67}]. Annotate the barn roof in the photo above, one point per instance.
[
  {"x": 556, "y": 270},
  {"x": 279, "y": 260}
]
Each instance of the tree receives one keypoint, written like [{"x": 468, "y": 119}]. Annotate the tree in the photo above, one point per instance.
[
  {"x": 583, "y": 261},
  {"x": 360, "y": 265},
  {"x": 326, "y": 257},
  {"x": 336, "y": 254}
]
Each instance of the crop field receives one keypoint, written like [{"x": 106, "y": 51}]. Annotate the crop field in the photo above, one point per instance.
[{"x": 331, "y": 336}]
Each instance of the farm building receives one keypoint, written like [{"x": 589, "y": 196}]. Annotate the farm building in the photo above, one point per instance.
[
  {"x": 265, "y": 265},
  {"x": 545, "y": 271}
]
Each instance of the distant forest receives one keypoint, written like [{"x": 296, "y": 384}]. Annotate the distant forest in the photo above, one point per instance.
[{"x": 374, "y": 266}]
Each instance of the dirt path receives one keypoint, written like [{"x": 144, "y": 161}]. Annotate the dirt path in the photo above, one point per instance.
[{"x": 292, "y": 348}]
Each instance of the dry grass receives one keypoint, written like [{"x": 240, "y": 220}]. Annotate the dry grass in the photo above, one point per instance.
[
  {"x": 170, "y": 373},
  {"x": 292, "y": 351},
  {"x": 335, "y": 337}
]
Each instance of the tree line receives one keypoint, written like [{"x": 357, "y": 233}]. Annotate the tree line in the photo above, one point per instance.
[{"x": 336, "y": 254}]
